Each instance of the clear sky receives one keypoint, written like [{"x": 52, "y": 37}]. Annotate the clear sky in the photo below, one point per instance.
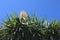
[{"x": 48, "y": 8}]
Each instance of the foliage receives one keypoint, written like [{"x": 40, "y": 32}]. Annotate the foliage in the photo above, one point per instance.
[{"x": 31, "y": 29}]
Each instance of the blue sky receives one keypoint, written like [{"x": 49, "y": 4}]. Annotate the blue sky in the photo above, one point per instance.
[{"x": 48, "y": 8}]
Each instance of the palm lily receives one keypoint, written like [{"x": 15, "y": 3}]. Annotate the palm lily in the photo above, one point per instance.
[{"x": 30, "y": 29}]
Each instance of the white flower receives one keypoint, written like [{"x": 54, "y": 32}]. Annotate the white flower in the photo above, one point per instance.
[{"x": 23, "y": 15}]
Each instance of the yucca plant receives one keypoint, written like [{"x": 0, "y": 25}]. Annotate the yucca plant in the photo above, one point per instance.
[{"x": 32, "y": 28}]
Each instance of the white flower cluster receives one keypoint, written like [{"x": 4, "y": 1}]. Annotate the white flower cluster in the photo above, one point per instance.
[{"x": 23, "y": 15}]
